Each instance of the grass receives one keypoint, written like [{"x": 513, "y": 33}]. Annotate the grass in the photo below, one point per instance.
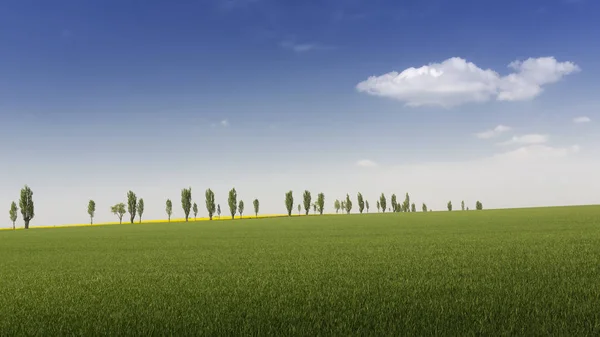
[{"x": 497, "y": 272}]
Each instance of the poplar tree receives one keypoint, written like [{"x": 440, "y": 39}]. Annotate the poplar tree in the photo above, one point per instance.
[
  {"x": 210, "y": 202},
  {"x": 186, "y": 201},
  {"x": 91, "y": 210},
  {"x": 232, "y": 200},
  {"x": 307, "y": 199},
  {"x": 26, "y": 205},
  {"x": 131, "y": 205},
  {"x": 13, "y": 213}
]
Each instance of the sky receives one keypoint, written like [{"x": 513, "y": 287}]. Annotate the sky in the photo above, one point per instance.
[{"x": 457, "y": 100}]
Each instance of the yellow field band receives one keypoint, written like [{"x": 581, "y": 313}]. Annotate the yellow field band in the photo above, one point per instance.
[{"x": 191, "y": 219}]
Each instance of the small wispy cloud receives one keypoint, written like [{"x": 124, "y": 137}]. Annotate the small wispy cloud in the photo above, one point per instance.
[
  {"x": 303, "y": 47},
  {"x": 224, "y": 123},
  {"x": 530, "y": 139},
  {"x": 366, "y": 163},
  {"x": 582, "y": 119},
  {"x": 487, "y": 134}
]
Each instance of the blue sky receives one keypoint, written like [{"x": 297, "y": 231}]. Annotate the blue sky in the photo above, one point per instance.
[{"x": 99, "y": 97}]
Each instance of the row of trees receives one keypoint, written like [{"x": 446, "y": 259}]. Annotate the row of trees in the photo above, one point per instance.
[{"x": 135, "y": 206}]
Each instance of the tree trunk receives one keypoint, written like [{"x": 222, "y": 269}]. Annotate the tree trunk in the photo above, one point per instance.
[
  {"x": 140, "y": 219},
  {"x": 27, "y": 224},
  {"x": 91, "y": 221},
  {"x": 13, "y": 225},
  {"x": 210, "y": 216}
]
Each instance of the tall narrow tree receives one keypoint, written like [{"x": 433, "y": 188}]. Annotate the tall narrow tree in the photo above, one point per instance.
[
  {"x": 195, "y": 210},
  {"x": 314, "y": 205},
  {"x": 289, "y": 202},
  {"x": 232, "y": 200},
  {"x": 337, "y": 205},
  {"x": 394, "y": 203},
  {"x": 241, "y": 208},
  {"x": 307, "y": 199},
  {"x": 462, "y": 205},
  {"x": 424, "y": 207},
  {"x": 413, "y": 208},
  {"x": 449, "y": 205},
  {"x": 219, "y": 211},
  {"x": 131, "y": 205},
  {"x": 378, "y": 206},
  {"x": 91, "y": 210},
  {"x": 321, "y": 203},
  {"x": 186, "y": 201},
  {"x": 140, "y": 208},
  {"x": 26, "y": 205},
  {"x": 299, "y": 209},
  {"x": 382, "y": 202},
  {"x": 348, "y": 204},
  {"x": 169, "y": 209},
  {"x": 406, "y": 203},
  {"x": 256, "y": 206},
  {"x": 119, "y": 211},
  {"x": 13, "y": 213},
  {"x": 367, "y": 205},
  {"x": 210, "y": 202},
  {"x": 361, "y": 203}
]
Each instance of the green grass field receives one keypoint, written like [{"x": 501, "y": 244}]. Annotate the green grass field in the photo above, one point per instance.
[{"x": 497, "y": 272}]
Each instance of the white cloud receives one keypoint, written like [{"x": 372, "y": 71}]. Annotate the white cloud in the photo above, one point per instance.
[
  {"x": 538, "y": 151},
  {"x": 493, "y": 132},
  {"x": 582, "y": 119},
  {"x": 529, "y": 139},
  {"x": 303, "y": 47},
  {"x": 456, "y": 81},
  {"x": 224, "y": 123},
  {"x": 366, "y": 163}
]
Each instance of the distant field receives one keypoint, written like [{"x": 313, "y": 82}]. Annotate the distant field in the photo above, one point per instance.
[{"x": 498, "y": 272}]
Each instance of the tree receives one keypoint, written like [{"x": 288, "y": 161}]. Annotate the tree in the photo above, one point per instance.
[
  {"x": 210, "y": 202},
  {"x": 241, "y": 208},
  {"x": 321, "y": 203},
  {"x": 413, "y": 208},
  {"x": 289, "y": 202},
  {"x": 343, "y": 205},
  {"x": 119, "y": 211},
  {"x": 140, "y": 208},
  {"x": 307, "y": 198},
  {"x": 91, "y": 210},
  {"x": 478, "y": 206},
  {"x": 361, "y": 203},
  {"x": 169, "y": 209},
  {"x": 462, "y": 205},
  {"x": 26, "y": 205},
  {"x": 337, "y": 206},
  {"x": 394, "y": 203},
  {"x": 232, "y": 200},
  {"x": 449, "y": 205},
  {"x": 348, "y": 204},
  {"x": 314, "y": 208},
  {"x": 186, "y": 201},
  {"x": 367, "y": 205},
  {"x": 219, "y": 211},
  {"x": 406, "y": 203},
  {"x": 424, "y": 207},
  {"x": 382, "y": 202},
  {"x": 195, "y": 210},
  {"x": 299, "y": 209},
  {"x": 378, "y": 207},
  {"x": 13, "y": 213},
  {"x": 256, "y": 205},
  {"x": 131, "y": 205}
]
